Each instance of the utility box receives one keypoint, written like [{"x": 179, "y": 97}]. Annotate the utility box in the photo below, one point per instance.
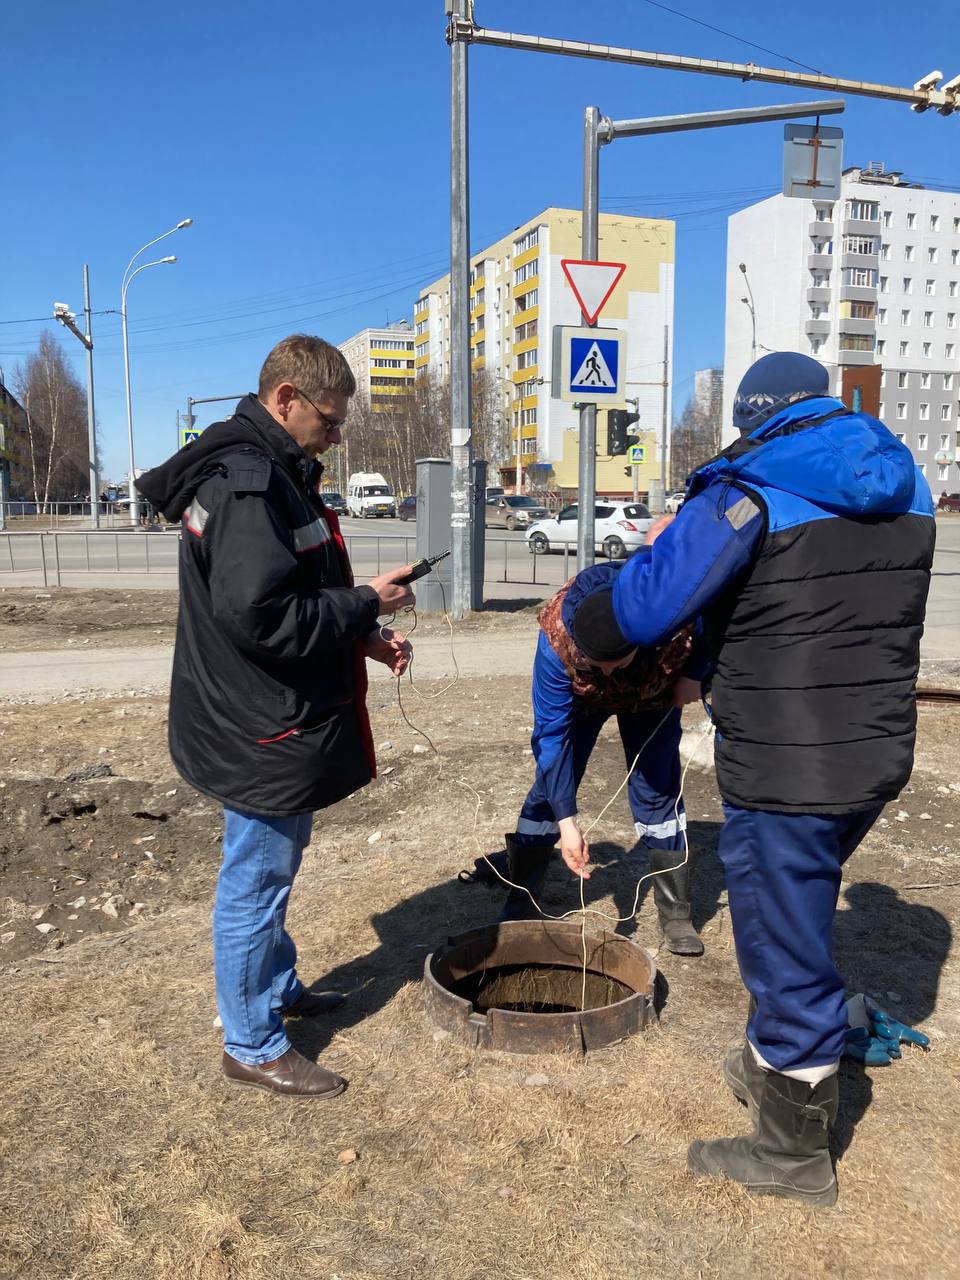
[{"x": 434, "y": 510}]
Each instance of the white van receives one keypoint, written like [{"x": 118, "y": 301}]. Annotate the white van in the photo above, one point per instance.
[{"x": 368, "y": 494}]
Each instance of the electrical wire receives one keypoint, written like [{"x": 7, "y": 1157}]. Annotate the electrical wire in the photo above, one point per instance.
[{"x": 752, "y": 44}]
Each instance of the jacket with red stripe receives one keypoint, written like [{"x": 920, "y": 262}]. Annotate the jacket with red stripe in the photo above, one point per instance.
[{"x": 267, "y": 702}]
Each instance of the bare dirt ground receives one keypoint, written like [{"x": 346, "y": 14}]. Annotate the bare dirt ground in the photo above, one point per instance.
[{"x": 125, "y": 1154}]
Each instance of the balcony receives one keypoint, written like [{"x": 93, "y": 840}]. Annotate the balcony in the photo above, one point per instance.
[
  {"x": 856, "y": 358},
  {"x": 820, "y": 261},
  {"x": 851, "y": 324},
  {"x": 817, "y": 328},
  {"x": 858, "y": 293},
  {"x": 871, "y": 260},
  {"x": 821, "y": 229},
  {"x": 860, "y": 227},
  {"x": 818, "y": 293}
]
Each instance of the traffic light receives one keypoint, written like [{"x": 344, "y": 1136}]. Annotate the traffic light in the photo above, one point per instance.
[
  {"x": 618, "y": 420},
  {"x": 628, "y": 471}
]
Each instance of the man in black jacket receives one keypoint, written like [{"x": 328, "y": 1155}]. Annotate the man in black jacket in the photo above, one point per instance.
[{"x": 267, "y": 705}]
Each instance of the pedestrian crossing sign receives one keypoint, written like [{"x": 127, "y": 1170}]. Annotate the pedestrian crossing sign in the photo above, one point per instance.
[
  {"x": 635, "y": 454},
  {"x": 188, "y": 435},
  {"x": 592, "y": 364}
]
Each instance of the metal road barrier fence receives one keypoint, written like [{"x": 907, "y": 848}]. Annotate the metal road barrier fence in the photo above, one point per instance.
[{"x": 65, "y": 557}]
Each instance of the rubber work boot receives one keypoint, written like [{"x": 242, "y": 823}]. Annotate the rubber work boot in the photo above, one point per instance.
[
  {"x": 671, "y": 893},
  {"x": 787, "y": 1154},
  {"x": 745, "y": 1077},
  {"x": 526, "y": 865}
]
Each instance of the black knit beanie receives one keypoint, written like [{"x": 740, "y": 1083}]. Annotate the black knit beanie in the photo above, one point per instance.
[{"x": 595, "y": 630}]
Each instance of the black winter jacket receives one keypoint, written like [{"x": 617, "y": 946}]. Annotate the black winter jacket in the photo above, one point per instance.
[{"x": 267, "y": 709}]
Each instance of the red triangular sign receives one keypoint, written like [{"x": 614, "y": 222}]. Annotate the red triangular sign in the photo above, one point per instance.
[{"x": 592, "y": 283}]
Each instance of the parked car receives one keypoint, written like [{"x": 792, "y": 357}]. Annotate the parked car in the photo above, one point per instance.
[
  {"x": 675, "y": 501},
  {"x": 407, "y": 509},
  {"x": 619, "y": 528},
  {"x": 949, "y": 502},
  {"x": 335, "y": 502},
  {"x": 513, "y": 512}
]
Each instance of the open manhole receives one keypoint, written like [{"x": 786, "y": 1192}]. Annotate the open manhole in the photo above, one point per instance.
[{"x": 517, "y": 986}]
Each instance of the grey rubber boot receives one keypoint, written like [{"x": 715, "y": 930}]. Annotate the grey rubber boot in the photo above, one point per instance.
[
  {"x": 671, "y": 893},
  {"x": 526, "y": 865},
  {"x": 745, "y": 1077},
  {"x": 787, "y": 1154}
]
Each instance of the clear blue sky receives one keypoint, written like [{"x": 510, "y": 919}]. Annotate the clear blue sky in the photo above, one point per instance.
[{"x": 309, "y": 142}]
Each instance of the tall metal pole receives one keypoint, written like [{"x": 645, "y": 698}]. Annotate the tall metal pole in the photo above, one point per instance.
[
  {"x": 665, "y": 425},
  {"x": 461, "y": 447},
  {"x": 91, "y": 416},
  {"x": 590, "y": 242},
  {"x": 131, "y": 487}
]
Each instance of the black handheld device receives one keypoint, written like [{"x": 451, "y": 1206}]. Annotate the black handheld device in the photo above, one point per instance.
[{"x": 422, "y": 567}]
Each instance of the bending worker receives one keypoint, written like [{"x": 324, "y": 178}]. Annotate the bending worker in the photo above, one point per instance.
[
  {"x": 584, "y": 672},
  {"x": 806, "y": 548}
]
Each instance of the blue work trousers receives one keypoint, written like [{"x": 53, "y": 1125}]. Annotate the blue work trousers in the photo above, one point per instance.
[
  {"x": 255, "y": 960},
  {"x": 783, "y": 879},
  {"x": 653, "y": 788}
]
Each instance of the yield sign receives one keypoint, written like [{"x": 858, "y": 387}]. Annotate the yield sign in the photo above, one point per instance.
[{"x": 592, "y": 283}]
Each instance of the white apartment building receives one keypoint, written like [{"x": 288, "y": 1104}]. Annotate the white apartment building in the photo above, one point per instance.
[
  {"x": 382, "y": 362},
  {"x": 873, "y": 279},
  {"x": 518, "y": 293}
]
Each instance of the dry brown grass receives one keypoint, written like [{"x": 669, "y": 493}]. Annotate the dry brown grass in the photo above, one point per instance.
[{"x": 125, "y": 1155}]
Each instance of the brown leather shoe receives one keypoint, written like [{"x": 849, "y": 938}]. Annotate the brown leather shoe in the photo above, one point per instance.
[
  {"x": 312, "y": 1003},
  {"x": 293, "y": 1075}
]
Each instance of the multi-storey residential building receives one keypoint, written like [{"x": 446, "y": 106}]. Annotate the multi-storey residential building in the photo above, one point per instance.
[
  {"x": 518, "y": 293},
  {"x": 382, "y": 361},
  {"x": 871, "y": 280},
  {"x": 708, "y": 392},
  {"x": 13, "y": 470}
]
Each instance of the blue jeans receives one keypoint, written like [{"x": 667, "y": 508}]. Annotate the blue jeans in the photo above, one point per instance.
[
  {"x": 783, "y": 879},
  {"x": 254, "y": 957}
]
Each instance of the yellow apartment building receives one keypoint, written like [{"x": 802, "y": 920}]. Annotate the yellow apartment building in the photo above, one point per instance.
[{"x": 382, "y": 361}]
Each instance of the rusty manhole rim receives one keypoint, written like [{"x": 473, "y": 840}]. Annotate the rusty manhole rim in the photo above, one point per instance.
[{"x": 533, "y": 942}]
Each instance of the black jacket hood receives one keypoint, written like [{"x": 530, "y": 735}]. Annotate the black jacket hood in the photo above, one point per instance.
[{"x": 172, "y": 485}]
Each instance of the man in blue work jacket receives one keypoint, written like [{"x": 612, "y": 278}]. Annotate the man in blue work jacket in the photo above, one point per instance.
[{"x": 806, "y": 547}]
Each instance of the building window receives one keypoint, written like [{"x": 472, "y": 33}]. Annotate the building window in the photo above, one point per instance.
[
  {"x": 881, "y": 346},
  {"x": 526, "y": 359},
  {"x": 815, "y": 345},
  {"x": 944, "y": 438},
  {"x": 908, "y": 284},
  {"x": 954, "y": 257},
  {"x": 884, "y": 253},
  {"x": 911, "y": 221},
  {"x": 524, "y": 331},
  {"x": 900, "y": 436},
  {"x": 908, "y": 253},
  {"x": 864, "y": 210},
  {"x": 904, "y": 348},
  {"x": 526, "y": 241},
  {"x": 901, "y": 409},
  {"x": 860, "y": 277},
  {"x": 903, "y": 379},
  {"x": 942, "y": 471},
  {"x": 930, "y": 288},
  {"x": 924, "y": 382},
  {"x": 927, "y": 350},
  {"x": 948, "y": 382},
  {"x": 922, "y": 442},
  {"x": 526, "y": 272},
  {"x": 863, "y": 310},
  {"x": 527, "y": 300},
  {"x": 905, "y": 317},
  {"x": 881, "y": 315},
  {"x": 949, "y": 350},
  {"x": 881, "y": 410},
  {"x": 924, "y": 413},
  {"x": 956, "y": 226},
  {"x": 952, "y": 289},
  {"x": 480, "y": 349},
  {"x": 934, "y": 222},
  {"x": 932, "y": 254},
  {"x": 528, "y": 417},
  {"x": 856, "y": 342},
  {"x": 823, "y": 212},
  {"x": 859, "y": 244},
  {"x": 951, "y": 319},
  {"x": 884, "y": 284},
  {"x": 883, "y": 379},
  {"x": 529, "y": 445},
  {"x": 922, "y": 468},
  {"x": 887, "y": 218},
  {"x": 928, "y": 319}
]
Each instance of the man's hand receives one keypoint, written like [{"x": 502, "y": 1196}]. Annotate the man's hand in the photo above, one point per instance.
[
  {"x": 655, "y": 530},
  {"x": 389, "y": 647},
  {"x": 686, "y": 691},
  {"x": 393, "y": 594},
  {"x": 573, "y": 848}
]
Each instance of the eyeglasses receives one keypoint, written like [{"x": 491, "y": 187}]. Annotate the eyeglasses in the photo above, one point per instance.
[{"x": 332, "y": 424}]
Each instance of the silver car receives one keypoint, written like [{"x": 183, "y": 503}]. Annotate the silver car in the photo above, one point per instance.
[
  {"x": 618, "y": 529},
  {"x": 510, "y": 512}
]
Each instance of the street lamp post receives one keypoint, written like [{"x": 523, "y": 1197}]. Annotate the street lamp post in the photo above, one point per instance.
[
  {"x": 748, "y": 303},
  {"x": 125, "y": 284},
  {"x": 65, "y": 316}
]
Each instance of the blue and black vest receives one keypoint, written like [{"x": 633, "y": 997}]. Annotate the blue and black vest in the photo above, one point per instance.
[{"x": 817, "y": 648}]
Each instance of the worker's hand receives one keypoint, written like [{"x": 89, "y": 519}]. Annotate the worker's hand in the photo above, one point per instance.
[
  {"x": 573, "y": 848},
  {"x": 658, "y": 526},
  {"x": 875, "y": 1038},
  {"x": 391, "y": 648},
  {"x": 393, "y": 594},
  {"x": 686, "y": 691}
]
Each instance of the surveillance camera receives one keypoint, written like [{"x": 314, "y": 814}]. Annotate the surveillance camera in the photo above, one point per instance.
[
  {"x": 61, "y": 309},
  {"x": 929, "y": 81}
]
